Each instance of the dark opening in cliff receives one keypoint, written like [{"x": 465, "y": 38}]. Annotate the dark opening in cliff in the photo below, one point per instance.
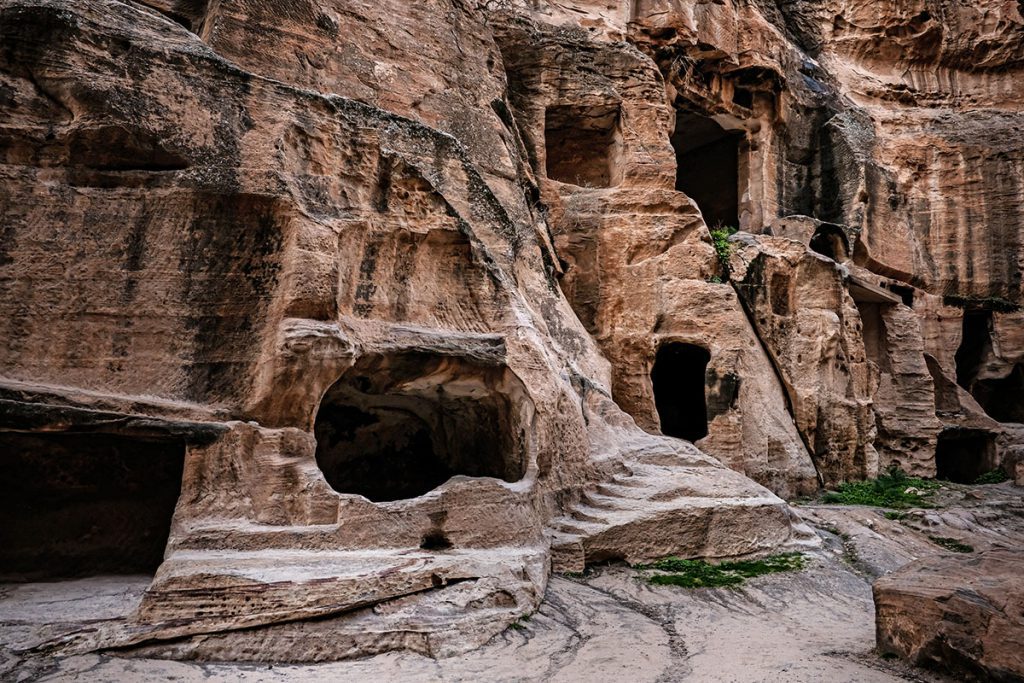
[
  {"x": 583, "y": 145},
  {"x": 396, "y": 427},
  {"x": 963, "y": 455},
  {"x": 84, "y": 504},
  {"x": 679, "y": 379},
  {"x": 830, "y": 241},
  {"x": 975, "y": 344},
  {"x": 1002, "y": 398},
  {"x": 707, "y": 167}
]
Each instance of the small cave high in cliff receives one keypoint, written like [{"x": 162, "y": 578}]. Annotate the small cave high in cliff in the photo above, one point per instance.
[
  {"x": 583, "y": 145},
  {"x": 396, "y": 427},
  {"x": 679, "y": 379},
  {"x": 84, "y": 504},
  {"x": 707, "y": 167},
  {"x": 829, "y": 240}
]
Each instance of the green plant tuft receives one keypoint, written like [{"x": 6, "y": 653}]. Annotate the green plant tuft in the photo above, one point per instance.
[
  {"x": 951, "y": 544},
  {"x": 891, "y": 490},
  {"x": 895, "y": 516},
  {"x": 720, "y": 239},
  {"x": 996, "y": 476},
  {"x": 701, "y": 574}
]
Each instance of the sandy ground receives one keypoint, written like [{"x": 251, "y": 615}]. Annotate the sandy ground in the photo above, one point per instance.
[{"x": 609, "y": 625}]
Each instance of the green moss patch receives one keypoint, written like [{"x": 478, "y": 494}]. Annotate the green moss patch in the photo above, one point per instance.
[
  {"x": 951, "y": 544},
  {"x": 996, "y": 476},
  {"x": 700, "y": 574},
  {"x": 892, "y": 490}
]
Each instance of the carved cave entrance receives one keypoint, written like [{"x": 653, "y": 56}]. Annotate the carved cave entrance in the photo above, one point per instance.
[
  {"x": 679, "y": 380},
  {"x": 1001, "y": 397},
  {"x": 583, "y": 145},
  {"x": 396, "y": 427},
  {"x": 707, "y": 167},
  {"x": 975, "y": 345},
  {"x": 85, "y": 504},
  {"x": 830, "y": 241},
  {"x": 963, "y": 455}
]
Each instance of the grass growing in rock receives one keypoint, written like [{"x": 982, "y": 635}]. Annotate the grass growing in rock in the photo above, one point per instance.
[
  {"x": 951, "y": 544},
  {"x": 892, "y": 490},
  {"x": 700, "y": 574},
  {"x": 720, "y": 239},
  {"x": 996, "y": 476}
]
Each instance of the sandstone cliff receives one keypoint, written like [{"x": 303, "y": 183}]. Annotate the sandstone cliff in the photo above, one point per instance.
[{"x": 379, "y": 312}]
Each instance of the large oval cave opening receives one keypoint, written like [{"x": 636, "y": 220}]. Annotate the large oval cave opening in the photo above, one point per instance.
[{"x": 395, "y": 427}]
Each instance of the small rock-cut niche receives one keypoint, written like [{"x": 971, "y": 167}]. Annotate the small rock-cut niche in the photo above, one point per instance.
[
  {"x": 906, "y": 294},
  {"x": 876, "y": 344},
  {"x": 963, "y": 455},
  {"x": 188, "y": 13},
  {"x": 583, "y": 145},
  {"x": 679, "y": 380},
  {"x": 830, "y": 241},
  {"x": 396, "y": 427},
  {"x": 85, "y": 504},
  {"x": 707, "y": 167}
]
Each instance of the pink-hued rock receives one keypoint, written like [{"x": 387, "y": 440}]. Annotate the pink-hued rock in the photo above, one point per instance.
[{"x": 961, "y": 613}]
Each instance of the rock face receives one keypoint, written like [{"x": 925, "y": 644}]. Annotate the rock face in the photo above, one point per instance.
[
  {"x": 961, "y": 614},
  {"x": 379, "y": 312}
]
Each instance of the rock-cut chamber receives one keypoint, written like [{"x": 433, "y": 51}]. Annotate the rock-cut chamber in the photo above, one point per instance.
[
  {"x": 396, "y": 427},
  {"x": 85, "y": 504},
  {"x": 583, "y": 145},
  {"x": 678, "y": 378},
  {"x": 707, "y": 167}
]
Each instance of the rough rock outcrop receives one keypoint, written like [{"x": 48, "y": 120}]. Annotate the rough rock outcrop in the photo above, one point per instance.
[
  {"x": 342, "y": 323},
  {"x": 962, "y": 614},
  {"x": 379, "y": 312}
]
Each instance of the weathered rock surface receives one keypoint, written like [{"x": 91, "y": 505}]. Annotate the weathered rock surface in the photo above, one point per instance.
[{"x": 960, "y": 614}]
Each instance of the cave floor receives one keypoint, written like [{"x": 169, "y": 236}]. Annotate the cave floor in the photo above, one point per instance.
[{"x": 610, "y": 625}]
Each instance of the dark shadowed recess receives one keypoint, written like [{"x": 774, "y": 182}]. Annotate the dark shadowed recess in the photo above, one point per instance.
[
  {"x": 830, "y": 241},
  {"x": 707, "y": 167},
  {"x": 396, "y": 427},
  {"x": 963, "y": 455},
  {"x": 1001, "y": 397},
  {"x": 679, "y": 383},
  {"x": 81, "y": 504},
  {"x": 975, "y": 344}
]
